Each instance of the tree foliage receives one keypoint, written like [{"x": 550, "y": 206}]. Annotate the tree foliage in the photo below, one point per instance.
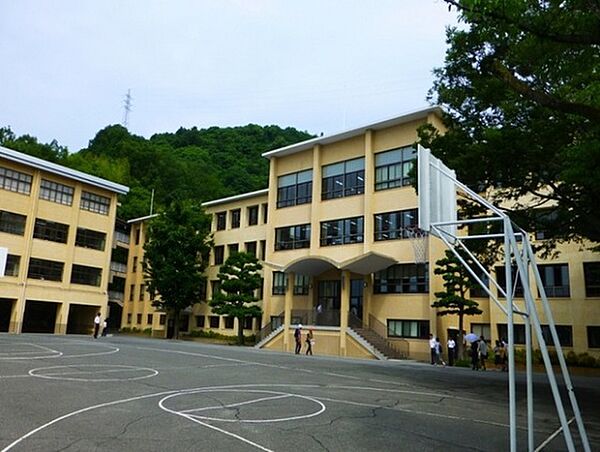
[
  {"x": 457, "y": 283},
  {"x": 176, "y": 255},
  {"x": 521, "y": 89},
  {"x": 239, "y": 278}
]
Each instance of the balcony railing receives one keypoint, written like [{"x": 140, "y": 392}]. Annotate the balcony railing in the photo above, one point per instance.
[
  {"x": 118, "y": 267},
  {"x": 121, "y": 237},
  {"x": 328, "y": 317},
  {"x": 115, "y": 296}
]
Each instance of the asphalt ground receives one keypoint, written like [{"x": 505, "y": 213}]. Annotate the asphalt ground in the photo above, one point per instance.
[{"x": 74, "y": 393}]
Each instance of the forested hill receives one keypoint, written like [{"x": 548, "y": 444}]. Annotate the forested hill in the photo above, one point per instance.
[{"x": 200, "y": 164}]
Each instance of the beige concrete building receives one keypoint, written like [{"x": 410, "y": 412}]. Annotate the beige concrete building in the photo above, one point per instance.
[
  {"x": 58, "y": 225},
  {"x": 333, "y": 231}
]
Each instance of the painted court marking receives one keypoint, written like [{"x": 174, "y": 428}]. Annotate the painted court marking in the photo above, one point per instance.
[
  {"x": 66, "y": 372},
  {"x": 51, "y": 353}
]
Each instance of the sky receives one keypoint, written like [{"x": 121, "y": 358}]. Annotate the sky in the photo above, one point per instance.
[{"x": 321, "y": 66}]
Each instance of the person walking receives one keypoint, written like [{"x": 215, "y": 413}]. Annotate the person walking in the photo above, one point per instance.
[
  {"x": 432, "y": 348},
  {"x": 483, "y": 352},
  {"x": 104, "y": 328},
  {"x": 309, "y": 342},
  {"x": 475, "y": 355},
  {"x": 438, "y": 352},
  {"x": 298, "y": 338},
  {"x": 97, "y": 320},
  {"x": 451, "y": 351}
]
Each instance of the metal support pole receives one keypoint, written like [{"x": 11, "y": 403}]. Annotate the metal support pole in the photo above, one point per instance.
[
  {"x": 512, "y": 393},
  {"x": 529, "y": 365}
]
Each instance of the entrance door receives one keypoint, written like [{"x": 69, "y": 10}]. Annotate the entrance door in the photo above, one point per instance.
[
  {"x": 329, "y": 299},
  {"x": 356, "y": 297},
  {"x": 6, "y": 305},
  {"x": 40, "y": 316}
]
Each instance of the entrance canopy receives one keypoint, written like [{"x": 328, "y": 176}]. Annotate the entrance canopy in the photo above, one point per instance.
[{"x": 363, "y": 264}]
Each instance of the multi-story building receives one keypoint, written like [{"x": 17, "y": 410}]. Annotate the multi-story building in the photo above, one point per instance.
[
  {"x": 333, "y": 230},
  {"x": 118, "y": 274},
  {"x": 58, "y": 226}
]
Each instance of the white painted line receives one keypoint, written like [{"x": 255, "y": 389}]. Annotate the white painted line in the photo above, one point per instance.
[
  {"x": 551, "y": 437},
  {"x": 248, "y": 402},
  {"x": 112, "y": 368}
]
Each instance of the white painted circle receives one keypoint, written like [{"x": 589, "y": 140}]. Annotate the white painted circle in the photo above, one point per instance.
[
  {"x": 47, "y": 353},
  {"x": 93, "y": 372},
  {"x": 275, "y": 395}
]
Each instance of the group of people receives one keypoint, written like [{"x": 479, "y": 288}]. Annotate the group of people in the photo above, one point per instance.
[
  {"x": 97, "y": 322},
  {"x": 309, "y": 340},
  {"x": 436, "y": 351},
  {"x": 478, "y": 353}
]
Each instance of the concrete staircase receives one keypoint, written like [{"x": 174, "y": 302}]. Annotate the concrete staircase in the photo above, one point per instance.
[{"x": 379, "y": 343}]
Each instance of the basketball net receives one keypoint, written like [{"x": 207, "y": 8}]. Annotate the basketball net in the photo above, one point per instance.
[{"x": 420, "y": 243}]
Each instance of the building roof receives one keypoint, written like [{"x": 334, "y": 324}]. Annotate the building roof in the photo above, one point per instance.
[
  {"x": 140, "y": 219},
  {"x": 63, "y": 171},
  {"x": 308, "y": 144},
  {"x": 250, "y": 194}
]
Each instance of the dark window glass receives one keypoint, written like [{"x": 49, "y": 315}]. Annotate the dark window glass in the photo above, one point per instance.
[
  {"x": 139, "y": 319},
  {"x": 219, "y": 254},
  {"x": 518, "y": 331},
  {"x": 263, "y": 249},
  {"x": 301, "y": 285},
  {"x": 215, "y": 287},
  {"x": 134, "y": 264},
  {"x": 341, "y": 232},
  {"x": 82, "y": 274},
  {"x": 343, "y": 179},
  {"x": 392, "y": 168},
  {"x": 591, "y": 272},
  {"x": 50, "y": 230},
  {"x": 564, "y": 332},
  {"x": 138, "y": 233},
  {"x": 417, "y": 329},
  {"x": 252, "y": 215},
  {"x": 142, "y": 292},
  {"x": 149, "y": 319},
  {"x": 543, "y": 221},
  {"x": 403, "y": 278},
  {"x": 200, "y": 321},
  {"x": 248, "y": 323},
  {"x": 501, "y": 280},
  {"x": 55, "y": 192},
  {"x": 162, "y": 319},
  {"x": 131, "y": 292},
  {"x": 593, "y": 336},
  {"x": 265, "y": 209},
  {"x": 214, "y": 321},
  {"x": 94, "y": 203},
  {"x": 294, "y": 189},
  {"x": 250, "y": 248},
  {"x": 482, "y": 329},
  {"x": 221, "y": 221},
  {"x": 45, "y": 269},
  {"x": 87, "y": 238},
  {"x": 232, "y": 249},
  {"x": 292, "y": 237},
  {"x": 12, "y": 223},
  {"x": 395, "y": 225},
  {"x": 129, "y": 318},
  {"x": 477, "y": 291},
  {"x": 228, "y": 322},
  {"x": 12, "y": 265},
  {"x": 235, "y": 218},
  {"x": 279, "y": 283},
  {"x": 16, "y": 181},
  {"x": 555, "y": 279}
]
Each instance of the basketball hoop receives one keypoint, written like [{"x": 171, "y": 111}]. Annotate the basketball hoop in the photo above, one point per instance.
[{"x": 420, "y": 243}]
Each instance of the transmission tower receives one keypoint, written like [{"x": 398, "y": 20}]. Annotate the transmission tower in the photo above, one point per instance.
[{"x": 127, "y": 108}]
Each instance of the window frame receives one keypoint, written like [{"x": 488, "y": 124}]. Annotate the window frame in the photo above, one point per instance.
[
  {"x": 15, "y": 181},
  {"x": 94, "y": 203},
  {"x": 329, "y": 189},
  {"x": 591, "y": 274},
  {"x": 346, "y": 237},
  {"x": 292, "y": 233},
  {"x": 288, "y": 195},
  {"x": 423, "y": 328},
  {"x": 12, "y": 223},
  {"x": 399, "y": 281},
  {"x": 88, "y": 238},
  {"x": 52, "y": 231},
  {"x": 52, "y": 267},
  {"x": 398, "y": 166},
  {"x": 278, "y": 283},
  {"x": 252, "y": 213},
  {"x": 86, "y": 275},
  {"x": 236, "y": 218},
  {"x": 399, "y": 219},
  {"x": 56, "y": 192},
  {"x": 555, "y": 291},
  {"x": 221, "y": 221}
]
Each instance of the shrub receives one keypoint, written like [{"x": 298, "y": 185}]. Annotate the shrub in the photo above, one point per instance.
[
  {"x": 147, "y": 331},
  {"x": 125, "y": 329}
]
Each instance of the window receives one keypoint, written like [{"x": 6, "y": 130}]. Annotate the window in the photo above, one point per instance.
[
  {"x": 221, "y": 221},
  {"x": 518, "y": 332},
  {"x": 149, "y": 319},
  {"x": 477, "y": 291},
  {"x": 482, "y": 329},
  {"x": 250, "y": 248},
  {"x": 248, "y": 323},
  {"x": 12, "y": 265},
  {"x": 94, "y": 203},
  {"x": 294, "y": 189},
  {"x": 138, "y": 233},
  {"x": 200, "y": 321},
  {"x": 301, "y": 285},
  {"x": 228, "y": 322},
  {"x": 45, "y": 269},
  {"x": 215, "y": 287},
  {"x": 134, "y": 264},
  {"x": 129, "y": 319},
  {"x": 12, "y": 223},
  {"x": 555, "y": 279},
  {"x": 501, "y": 280},
  {"x": 591, "y": 272},
  {"x": 219, "y": 253},
  {"x": 395, "y": 225},
  {"x": 235, "y": 218},
  {"x": 89, "y": 276},
  {"x": 265, "y": 209},
  {"x": 252, "y": 215},
  {"x": 86, "y": 238},
  {"x": 403, "y": 278},
  {"x": 55, "y": 192},
  {"x": 341, "y": 232},
  {"x": 232, "y": 249},
  {"x": 131, "y": 292},
  {"x": 50, "y": 230},
  {"x": 139, "y": 319},
  {"x": 162, "y": 320},
  {"x": 16, "y": 181},
  {"x": 543, "y": 223},
  {"x": 263, "y": 249},
  {"x": 279, "y": 283},
  {"x": 593, "y": 336},
  {"x": 343, "y": 179},
  {"x": 417, "y": 329},
  {"x": 564, "y": 332},
  {"x": 292, "y": 237},
  {"x": 142, "y": 292},
  {"x": 392, "y": 168},
  {"x": 214, "y": 321}
]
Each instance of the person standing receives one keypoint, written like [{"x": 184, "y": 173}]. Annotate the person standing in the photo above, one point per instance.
[
  {"x": 451, "y": 351},
  {"x": 483, "y": 352},
  {"x": 104, "y": 328},
  {"x": 298, "y": 338},
  {"x": 432, "y": 348},
  {"x": 475, "y": 355},
  {"x": 309, "y": 342},
  {"x": 438, "y": 352},
  {"x": 97, "y": 320}
]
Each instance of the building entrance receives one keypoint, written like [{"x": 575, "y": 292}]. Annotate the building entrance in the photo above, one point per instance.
[
  {"x": 6, "y": 306},
  {"x": 356, "y": 297},
  {"x": 40, "y": 316},
  {"x": 329, "y": 301}
]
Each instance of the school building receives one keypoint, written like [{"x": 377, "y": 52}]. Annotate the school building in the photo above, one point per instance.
[
  {"x": 333, "y": 231},
  {"x": 58, "y": 226}
]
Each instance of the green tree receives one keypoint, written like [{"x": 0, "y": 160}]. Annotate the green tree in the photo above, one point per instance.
[
  {"x": 176, "y": 255},
  {"x": 453, "y": 300},
  {"x": 521, "y": 90},
  {"x": 239, "y": 278}
]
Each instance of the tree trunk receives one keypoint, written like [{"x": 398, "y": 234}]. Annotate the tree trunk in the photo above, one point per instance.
[
  {"x": 176, "y": 325},
  {"x": 240, "y": 331},
  {"x": 461, "y": 338}
]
